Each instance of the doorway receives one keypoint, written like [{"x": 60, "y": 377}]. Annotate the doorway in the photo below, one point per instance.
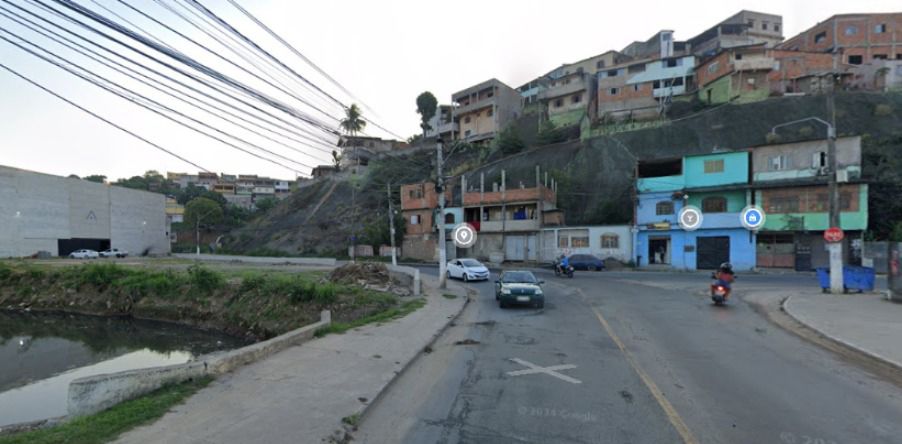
[
  {"x": 659, "y": 250},
  {"x": 711, "y": 252}
]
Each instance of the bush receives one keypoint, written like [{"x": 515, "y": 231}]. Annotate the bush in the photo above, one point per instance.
[
  {"x": 325, "y": 293},
  {"x": 204, "y": 280},
  {"x": 5, "y": 273},
  {"x": 883, "y": 110},
  {"x": 143, "y": 283},
  {"x": 251, "y": 282},
  {"x": 101, "y": 276}
]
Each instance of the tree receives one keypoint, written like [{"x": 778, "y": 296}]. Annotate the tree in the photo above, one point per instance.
[
  {"x": 509, "y": 141},
  {"x": 549, "y": 133},
  {"x": 426, "y": 107},
  {"x": 265, "y": 204},
  {"x": 336, "y": 160},
  {"x": 74, "y": 176},
  {"x": 99, "y": 178},
  {"x": 353, "y": 122},
  {"x": 896, "y": 235},
  {"x": 199, "y": 211}
]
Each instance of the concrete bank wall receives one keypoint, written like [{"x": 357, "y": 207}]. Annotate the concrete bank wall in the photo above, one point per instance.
[
  {"x": 408, "y": 277},
  {"x": 95, "y": 393},
  {"x": 318, "y": 261}
]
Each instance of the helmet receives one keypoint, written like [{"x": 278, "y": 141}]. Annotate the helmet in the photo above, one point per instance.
[{"x": 726, "y": 266}]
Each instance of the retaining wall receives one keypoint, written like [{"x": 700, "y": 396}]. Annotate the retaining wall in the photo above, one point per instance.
[{"x": 407, "y": 276}]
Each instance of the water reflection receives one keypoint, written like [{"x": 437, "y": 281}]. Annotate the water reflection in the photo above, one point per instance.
[{"x": 41, "y": 353}]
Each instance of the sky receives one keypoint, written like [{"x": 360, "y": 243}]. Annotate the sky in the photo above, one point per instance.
[{"x": 384, "y": 52}]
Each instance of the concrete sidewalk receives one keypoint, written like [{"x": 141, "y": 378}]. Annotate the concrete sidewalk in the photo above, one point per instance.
[
  {"x": 300, "y": 395},
  {"x": 866, "y": 322}
]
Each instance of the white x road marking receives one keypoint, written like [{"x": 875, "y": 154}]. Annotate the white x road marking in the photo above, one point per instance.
[{"x": 551, "y": 371}]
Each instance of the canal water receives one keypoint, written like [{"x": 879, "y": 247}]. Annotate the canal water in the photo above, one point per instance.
[{"x": 41, "y": 353}]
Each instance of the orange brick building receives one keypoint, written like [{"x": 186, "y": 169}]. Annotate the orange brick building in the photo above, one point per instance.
[{"x": 858, "y": 38}]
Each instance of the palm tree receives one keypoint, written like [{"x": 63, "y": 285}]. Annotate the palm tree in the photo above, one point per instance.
[{"x": 352, "y": 124}]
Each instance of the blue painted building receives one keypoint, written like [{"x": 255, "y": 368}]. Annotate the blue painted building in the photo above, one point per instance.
[{"x": 718, "y": 184}]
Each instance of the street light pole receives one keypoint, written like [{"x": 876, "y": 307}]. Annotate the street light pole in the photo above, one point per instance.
[
  {"x": 440, "y": 223},
  {"x": 391, "y": 225},
  {"x": 835, "y": 249}
]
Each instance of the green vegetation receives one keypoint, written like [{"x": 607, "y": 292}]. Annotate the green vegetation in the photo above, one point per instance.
[
  {"x": 257, "y": 304},
  {"x": 108, "y": 424},
  {"x": 449, "y": 296},
  {"x": 510, "y": 142},
  {"x": 383, "y": 316},
  {"x": 549, "y": 133},
  {"x": 351, "y": 420},
  {"x": 427, "y": 105}
]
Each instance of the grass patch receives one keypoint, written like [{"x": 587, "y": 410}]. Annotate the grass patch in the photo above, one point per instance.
[
  {"x": 449, "y": 296},
  {"x": 352, "y": 420},
  {"x": 382, "y": 316},
  {"x": 108, "y": 424}
]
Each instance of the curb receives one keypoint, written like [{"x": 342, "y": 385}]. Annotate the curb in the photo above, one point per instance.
[
  {"x": 785, "y": 306},
  {"x": 362, "y": 413}
]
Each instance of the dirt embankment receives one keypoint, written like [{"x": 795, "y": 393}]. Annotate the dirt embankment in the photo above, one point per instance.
[{"x": 252, "y": 304}]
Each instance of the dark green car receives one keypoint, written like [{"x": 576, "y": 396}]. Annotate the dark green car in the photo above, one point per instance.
[{"x": 519, "y": 288}]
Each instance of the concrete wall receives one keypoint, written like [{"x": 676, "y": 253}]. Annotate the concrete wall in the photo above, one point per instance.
[
  {"x": 812, "y": 208},
  {"x": 735, "y": 170},
  {"x": 95, "y": 393},
  {"x": 550, "y": 248},
  {"x": 799, "y": 158},
  {"x": 36, "y": 210}
]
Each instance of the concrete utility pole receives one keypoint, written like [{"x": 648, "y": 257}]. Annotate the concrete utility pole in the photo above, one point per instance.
[
  {"x": 391, "y": 225},
  {"x": 835, "y": 249},
  {"x": 440, "y": 222}
]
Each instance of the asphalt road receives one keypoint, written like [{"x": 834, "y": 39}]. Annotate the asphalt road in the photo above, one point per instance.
[{"x": 634, "y": 358}]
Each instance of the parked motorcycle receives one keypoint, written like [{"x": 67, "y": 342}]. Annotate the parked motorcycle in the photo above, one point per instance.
[{"x": 722, "y": 285}]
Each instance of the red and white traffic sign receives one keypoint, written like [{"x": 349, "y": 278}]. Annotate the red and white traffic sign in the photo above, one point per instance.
[{"x": 834, "y": 234}]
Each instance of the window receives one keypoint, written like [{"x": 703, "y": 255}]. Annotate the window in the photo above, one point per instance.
[
  {"x": 614, "y": 91},
  {"x": 612, "y": 73},
  {"x": 818, "y": 159},
  {"x": 670, "y": 63},
  {"x": 777, "y": 27},
  {"x": 820, "y": 37},
  {"x": 778, "y": 163},
  {"x": 599, "y": 64},
  {"x": 566, "y": 81},
  {"x": 714, "y": 204},
  {"x": 845, "y": 201},
  {"x": 714, "y": 166},
  {"x": 851, "y": 30},
  {"x": 449, "y": 218},
  {"x": 576, "y": 98},
  {"x": 856, "y": 59},
  {"x": 610, "y": 240},
  {"x": 880, "y": 29},
  {"x": 579, "y": 242},
  {"x": 563, "y": 241},
  {"x": 656, "y": 84},
  {"x": 764, "y": 26},
  {"x": 782, "y": 204},
  {"x": 490, "y": 94},
  {"x": 751, "y": 23},
  {"x": 637, "y": 68},
  {"x": 415, "y": 219},
  {"x": 467, "y": 119},
  {"x": 490, "y": 113},
  {"x": 880, "y": 57},
  {"x": 416, "y": 194},
  {"x": 467, "y": 133},
  {"x": 665, "y": 207},
  {"x": 737, "y": 56},
  {"x": 712, "y": 68},
  {"x": 636, "y": 87},
  {"x": 558, "y": 103},
  {"x": 678, "y": 81}
]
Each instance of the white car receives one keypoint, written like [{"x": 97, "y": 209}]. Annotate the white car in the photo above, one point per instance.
[
  {"x": 114, "y": 252},
  {"x": 84, "y": 254},
  {"x": 468, "y": 270}
]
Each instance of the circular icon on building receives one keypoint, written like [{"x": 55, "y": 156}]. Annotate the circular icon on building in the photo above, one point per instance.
[
  {"x": 690, "y": 218},
  {"x": 464, "y": 236},
  {"x": 752, "y": 217}
]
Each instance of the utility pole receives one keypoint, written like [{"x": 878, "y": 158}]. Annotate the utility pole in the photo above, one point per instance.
[
  {"x": 440, "y": 222},
  {"x": 391, "y": 225},
  {"x": 835, "y": 249}
]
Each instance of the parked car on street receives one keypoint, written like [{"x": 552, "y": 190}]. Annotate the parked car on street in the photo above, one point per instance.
[
  {"x": 519, "y": 287},
  {"x": 468, "y": 270},
  {"x": 586, "y": 262},
  {"x": 84, "y": 254},
  {"x": 114, "y": 252}
]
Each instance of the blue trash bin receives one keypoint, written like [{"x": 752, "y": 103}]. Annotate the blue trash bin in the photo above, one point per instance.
[{"x": 854, "y": 278}]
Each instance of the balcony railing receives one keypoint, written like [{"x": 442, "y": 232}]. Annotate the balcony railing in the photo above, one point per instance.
[
  {"x": 497, "y": 226},
  {"x": 474, "y": 105},
  {"x": 563, "y": 90}
]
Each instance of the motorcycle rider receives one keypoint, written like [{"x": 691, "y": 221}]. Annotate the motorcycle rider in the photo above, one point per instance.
[
  {"x": 562, "y": 263},
  {"x": 725, "y": 276}
]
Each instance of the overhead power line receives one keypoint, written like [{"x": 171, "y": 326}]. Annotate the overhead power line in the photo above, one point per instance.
[
  {"x": 192, "y": 63},
  {"x": 306, "y": 132},
  {"x": 146, "y": 80},
  {"x": 133, "y": 97},
  {"x": 98, "y": 117}
]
